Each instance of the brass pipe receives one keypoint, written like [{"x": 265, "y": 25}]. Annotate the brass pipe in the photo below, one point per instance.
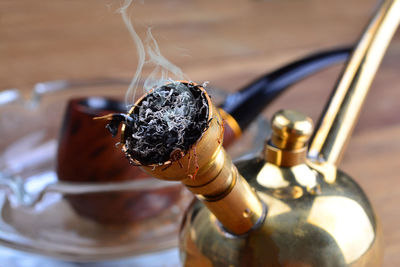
[
  {"x": 207, "y": 171},
  {"x": 341, "y": 113}
]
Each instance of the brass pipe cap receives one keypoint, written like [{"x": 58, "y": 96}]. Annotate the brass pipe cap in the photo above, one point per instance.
[{"x": 291, "y": 129}]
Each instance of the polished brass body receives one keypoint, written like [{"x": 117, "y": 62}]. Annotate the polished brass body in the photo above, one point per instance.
[
  {"x": 308, "y": 224},
  {"x": 312, "y": 219}
]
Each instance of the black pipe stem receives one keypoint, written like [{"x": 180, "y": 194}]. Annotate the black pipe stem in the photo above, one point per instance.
[{"x": 246, "y": 104}]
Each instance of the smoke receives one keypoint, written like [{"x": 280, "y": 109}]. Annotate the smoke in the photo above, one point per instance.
[
  {"x": 164, "y": 70},
  {"x": 131, "y": 92}
]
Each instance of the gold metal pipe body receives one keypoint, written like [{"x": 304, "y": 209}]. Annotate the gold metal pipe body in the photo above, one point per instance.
[
  {"x": 207, "y": 171},
  {"x": 338, "y": 120}
]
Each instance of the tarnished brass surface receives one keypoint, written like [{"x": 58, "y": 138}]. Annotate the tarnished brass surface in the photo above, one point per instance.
[
  {"x": 208, "y": 172},
  {"x": 337, "y": 122}
]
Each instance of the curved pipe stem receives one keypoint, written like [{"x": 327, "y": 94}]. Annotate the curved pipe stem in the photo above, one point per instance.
[
  {"x": 250, "y": 101},
  {"x": 341, "y": 113}
]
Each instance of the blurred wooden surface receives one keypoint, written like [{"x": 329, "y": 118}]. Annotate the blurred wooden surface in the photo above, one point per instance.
[{"x": 228, "y": 43}]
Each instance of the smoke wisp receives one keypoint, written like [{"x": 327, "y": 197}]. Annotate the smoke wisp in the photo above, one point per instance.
[{"x": 148, "y": 53}]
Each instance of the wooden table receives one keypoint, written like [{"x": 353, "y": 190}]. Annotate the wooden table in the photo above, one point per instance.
[{"x": 228, "y": 43}]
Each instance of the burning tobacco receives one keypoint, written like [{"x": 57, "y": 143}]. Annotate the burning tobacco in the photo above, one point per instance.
[{"x": 164, "y": 124}]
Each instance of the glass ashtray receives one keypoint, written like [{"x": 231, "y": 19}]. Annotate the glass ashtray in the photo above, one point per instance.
[
  {"x": 58, "y": 194},
  {"x": 67, "y": 192}
]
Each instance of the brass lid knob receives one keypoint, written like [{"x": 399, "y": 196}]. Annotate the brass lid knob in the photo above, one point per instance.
[{"x": 291, "y": 130}]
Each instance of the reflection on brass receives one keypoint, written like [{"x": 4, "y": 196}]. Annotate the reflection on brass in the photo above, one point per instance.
[
  {"x": 326, "y": 229},
  {"x": 290, "y": 130},
  {"x": 336, "y": 124},
  {"x": 327, "y": 170}
]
